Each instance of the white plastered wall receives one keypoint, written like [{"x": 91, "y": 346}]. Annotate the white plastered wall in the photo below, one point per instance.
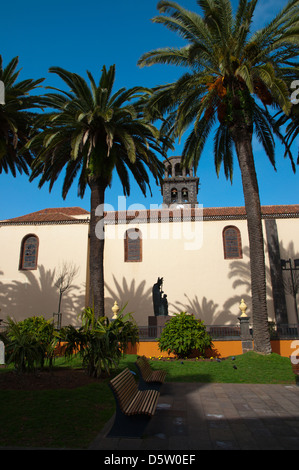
[
  {"x": 191, "y": 261},
  {"x": 33, "y": 292}
]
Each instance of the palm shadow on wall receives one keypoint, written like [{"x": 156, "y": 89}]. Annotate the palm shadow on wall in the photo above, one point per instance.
[
  {"x": 288, "y": 252},
  {"x": 206, "y": 310},
  {"x": 137, "y": 297},
  {"x": 210, "y": 312},
  {"x": 290, "y": 280},
  {"x": 240, "y": 272},
  {"x": 37, "y": 295}
]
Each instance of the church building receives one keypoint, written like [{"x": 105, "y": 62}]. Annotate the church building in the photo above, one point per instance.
[{"x": 201, "y": 253}]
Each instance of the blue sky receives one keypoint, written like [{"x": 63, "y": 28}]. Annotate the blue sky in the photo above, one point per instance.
[{"x": 82, "y": 36}]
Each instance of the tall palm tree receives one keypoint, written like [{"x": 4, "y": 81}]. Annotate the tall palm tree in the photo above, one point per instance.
[
  {"x": 234, "y": 76},
  {"x": 16, "y": 119},
  {"x": 90, "y": 131}
]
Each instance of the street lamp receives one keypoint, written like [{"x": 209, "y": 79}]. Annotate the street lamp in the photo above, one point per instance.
[{"x": 286, "y": 265}]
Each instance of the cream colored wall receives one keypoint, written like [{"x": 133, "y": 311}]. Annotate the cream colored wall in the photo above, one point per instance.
[
  {"x": 28, "y": 293},
  {"x": 190, "y": 258},
  {"x": 288, "y": 233},
  {"x": 199, "y": 281}
]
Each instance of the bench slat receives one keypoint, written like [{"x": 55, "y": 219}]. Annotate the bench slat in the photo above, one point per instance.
[
  {"x": 131, "y": 400},
  {"x": 134, "y": 407},
  {"x": 125, "y": 387},
  {"x": 147, "y": 373},
  {"x": 144, "y": 402}
]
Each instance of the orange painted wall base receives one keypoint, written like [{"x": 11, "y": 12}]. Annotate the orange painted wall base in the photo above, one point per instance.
[
  {"x": 286, "y": 348},
  {"x": 221, "y": 348}
]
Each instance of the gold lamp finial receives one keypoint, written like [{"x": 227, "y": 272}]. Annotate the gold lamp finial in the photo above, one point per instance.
[
  {"x": 243, "y": 308},
  {"x": 115, "y": 310}
]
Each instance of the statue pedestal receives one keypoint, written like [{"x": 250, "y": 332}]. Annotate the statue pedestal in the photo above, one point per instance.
[{"x": 156, "y": 325}]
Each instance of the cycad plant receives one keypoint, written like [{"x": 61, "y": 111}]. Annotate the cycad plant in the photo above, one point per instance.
[
  {"x": 234, "y": 77},
  {"x": 30, "y": 343},
  {"x": 16, "y": 119},
  {"x": 90, "y": 131},
  {"x": 100, "y": 342}
]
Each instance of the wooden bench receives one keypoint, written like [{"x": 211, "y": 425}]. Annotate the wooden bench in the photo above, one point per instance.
[
  {"x": 134, "y": 407},
  {"x": 149, "y": 378}
]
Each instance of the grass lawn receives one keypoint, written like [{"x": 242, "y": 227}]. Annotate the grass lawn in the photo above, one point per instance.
[
  {"x": 73, "y": 418},
  {"x": 54, "y": 418},
  {"x": 249, "y": 368}
]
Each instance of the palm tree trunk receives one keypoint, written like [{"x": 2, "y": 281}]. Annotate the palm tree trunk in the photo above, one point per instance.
[
  {"x": 243, "y": 143},
  {"x": 96, "y": 251}
]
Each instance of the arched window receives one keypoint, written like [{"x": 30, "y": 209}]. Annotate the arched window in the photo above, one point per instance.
[
  {"x": 174, "y": 195},
  {"x": 29, "y": 252},
  {"x": 185, "y": 195},
  {"x": 232, "y": 243},
  {"x": 133, "y": 245},
  {"x": 178, "y": 170}
]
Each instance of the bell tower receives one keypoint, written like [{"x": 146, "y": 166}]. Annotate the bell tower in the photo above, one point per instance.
[{"x": 179, "y": 186}]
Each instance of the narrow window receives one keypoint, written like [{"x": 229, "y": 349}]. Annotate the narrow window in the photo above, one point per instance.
[
  {"x": 174, "y": 195},
  {"x": 133, "y": 245},
  {"x": 29, "y": 252},
  {"x": 232, "y": 243},
  {"x": 178, "y": 170},
  {"x": 185, "y": 195}
]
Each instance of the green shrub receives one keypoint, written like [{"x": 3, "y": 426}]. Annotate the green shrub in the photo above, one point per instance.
[
  {"x": 100, "y": 342},
  {"x": 182, "y": 334},
  {"x": 29, "y": 343}
]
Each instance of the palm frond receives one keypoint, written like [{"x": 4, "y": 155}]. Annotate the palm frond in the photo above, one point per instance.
[
  {"x": 17, "y": 119},
  {"x": 92, "y": 131},
  {"x": 223, "y": 151},
  {"x": 221, "y": 49},
  {"x": 264, "y": 132}
]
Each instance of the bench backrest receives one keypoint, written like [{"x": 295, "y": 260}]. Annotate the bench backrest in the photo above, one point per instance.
[
  {"x": 125, "y": 387},
  {"x": 144, "y": 367}
]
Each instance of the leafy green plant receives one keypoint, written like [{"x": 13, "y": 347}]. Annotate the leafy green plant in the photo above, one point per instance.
[
  {"x": 182, "y": 334},
  {"x": 29, "y": 343},
  {"x": 100, "y": 342}
]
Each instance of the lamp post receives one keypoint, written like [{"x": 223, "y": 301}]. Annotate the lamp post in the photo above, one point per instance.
[
  {"x": 286, "y": 265},
  {"x": 246, "y": 338}
]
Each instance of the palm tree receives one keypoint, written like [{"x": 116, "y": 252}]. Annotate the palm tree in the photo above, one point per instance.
[
  {"x": 234, "y": 76},
  {"x": 16, "y": 119},
  {"x": 91, "y": 131}
]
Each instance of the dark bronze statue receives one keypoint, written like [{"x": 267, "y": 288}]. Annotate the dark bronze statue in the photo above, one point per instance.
[{"x": 159, "y": 300}]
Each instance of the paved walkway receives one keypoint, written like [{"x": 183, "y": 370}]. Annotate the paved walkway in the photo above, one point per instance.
[{"x": 217, "y": 416}]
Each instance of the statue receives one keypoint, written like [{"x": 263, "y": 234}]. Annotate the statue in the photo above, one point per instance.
[
  {"x": 159, "y": 301},
  {"x": 164, "y": 306}
]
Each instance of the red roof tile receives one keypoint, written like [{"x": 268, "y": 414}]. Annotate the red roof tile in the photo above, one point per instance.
[
  {"x": 69, "y": 213},
  {"x": 51, "y": 215}
]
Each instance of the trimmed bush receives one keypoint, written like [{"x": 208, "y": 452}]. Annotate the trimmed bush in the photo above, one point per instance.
[{"x": 183, "y": 334}]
